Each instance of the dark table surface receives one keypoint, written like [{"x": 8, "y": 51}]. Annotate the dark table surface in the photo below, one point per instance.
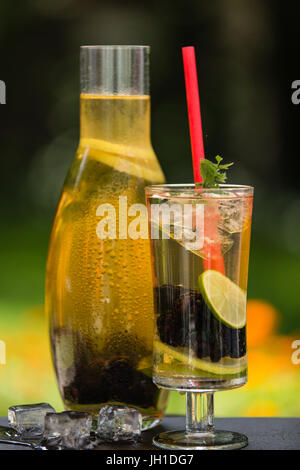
[{"x": 263, "y": 433}]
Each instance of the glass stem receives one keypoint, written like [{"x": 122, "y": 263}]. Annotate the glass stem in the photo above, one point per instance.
[{"x": 199, "y": 412}]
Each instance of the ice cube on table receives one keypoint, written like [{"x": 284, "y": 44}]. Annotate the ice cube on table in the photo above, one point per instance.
[
  {"x": 28, "y": 420},
  {"x": 67, "y": 430},
  {"x": 119, "y": 423}
]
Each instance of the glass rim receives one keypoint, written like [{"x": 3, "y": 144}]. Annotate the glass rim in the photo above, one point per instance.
[{"x": 189, "y": 188}]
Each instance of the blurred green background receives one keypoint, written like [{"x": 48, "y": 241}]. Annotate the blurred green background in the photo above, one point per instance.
[{"x": 246, "y": 54}]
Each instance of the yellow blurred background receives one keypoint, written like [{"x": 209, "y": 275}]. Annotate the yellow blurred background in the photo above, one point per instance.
[
  {"x": 273, "y": 388},
  {"x": 245, "y": 69}
]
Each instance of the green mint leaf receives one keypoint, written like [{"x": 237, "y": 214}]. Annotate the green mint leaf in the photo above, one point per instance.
[
  {"x": 221, "y": 177},
  {"x": 219, "y": 159},
  {"x": 208, "y": 173},
  {"x": 225, "y": 167},
  {"x": 211, "y": 173}
]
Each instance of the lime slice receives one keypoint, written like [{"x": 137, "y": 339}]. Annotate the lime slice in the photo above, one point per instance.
[
  {"x": 180, "y": 242},
  {"x": 136, "y": 161},
  {"x": 228, "y": 366},
  {"x": 178, "y": 369},
  {"x": 124, "y": 151},
  {"x": 209, "y": 245},
  {"x": 226, "y": 300}
]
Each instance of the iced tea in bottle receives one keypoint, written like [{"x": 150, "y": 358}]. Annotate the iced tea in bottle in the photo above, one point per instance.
[{"x": 99, "y": 288}]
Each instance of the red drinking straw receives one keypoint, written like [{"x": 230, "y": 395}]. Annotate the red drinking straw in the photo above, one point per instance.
[
  {"x": 193, "y": 105},
  {"x": 213, "y": 258}
]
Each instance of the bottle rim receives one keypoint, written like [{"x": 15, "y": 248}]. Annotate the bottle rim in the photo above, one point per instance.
[{"x": 114, "y": 46}]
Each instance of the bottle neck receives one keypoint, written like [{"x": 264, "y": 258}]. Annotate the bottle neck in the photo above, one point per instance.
[
  {"x": 114, "y": 70},
  {"x": 117, "y": 119},
  {"x": 115, "y": 101}
]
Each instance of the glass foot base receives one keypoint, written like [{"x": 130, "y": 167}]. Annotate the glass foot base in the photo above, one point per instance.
[{"x": 214, "y": 440}]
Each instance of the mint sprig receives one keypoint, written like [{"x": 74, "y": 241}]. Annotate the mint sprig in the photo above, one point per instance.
[{"x": 212, "y": 173}]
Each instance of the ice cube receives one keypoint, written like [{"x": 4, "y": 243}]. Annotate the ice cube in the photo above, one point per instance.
[
  {"x": 119, "y": 423},
  {"x": 235, "y": 213},
  {"x": 67, "y": 430},
  {"x": 28, "y": 420}
]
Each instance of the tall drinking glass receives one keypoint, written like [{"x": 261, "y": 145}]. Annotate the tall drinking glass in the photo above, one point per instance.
[{"x": 200, "y": 251}]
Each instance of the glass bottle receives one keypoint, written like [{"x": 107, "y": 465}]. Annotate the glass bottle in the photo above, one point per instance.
[{"x": 99, "y": 285}]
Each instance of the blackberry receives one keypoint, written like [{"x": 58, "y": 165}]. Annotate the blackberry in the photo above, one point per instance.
[
  {"x": 238, "y": 343},
  {"x": 127, "y": 385},
  {"x": 170, "y": 316},
  {"x": 185, "y": 320},
  {"x": 166, "y": 296},
  {"x": 114, "y": 379},
  {"x": 88, "y": 384},
  {"x": 177, "y": 310}
]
